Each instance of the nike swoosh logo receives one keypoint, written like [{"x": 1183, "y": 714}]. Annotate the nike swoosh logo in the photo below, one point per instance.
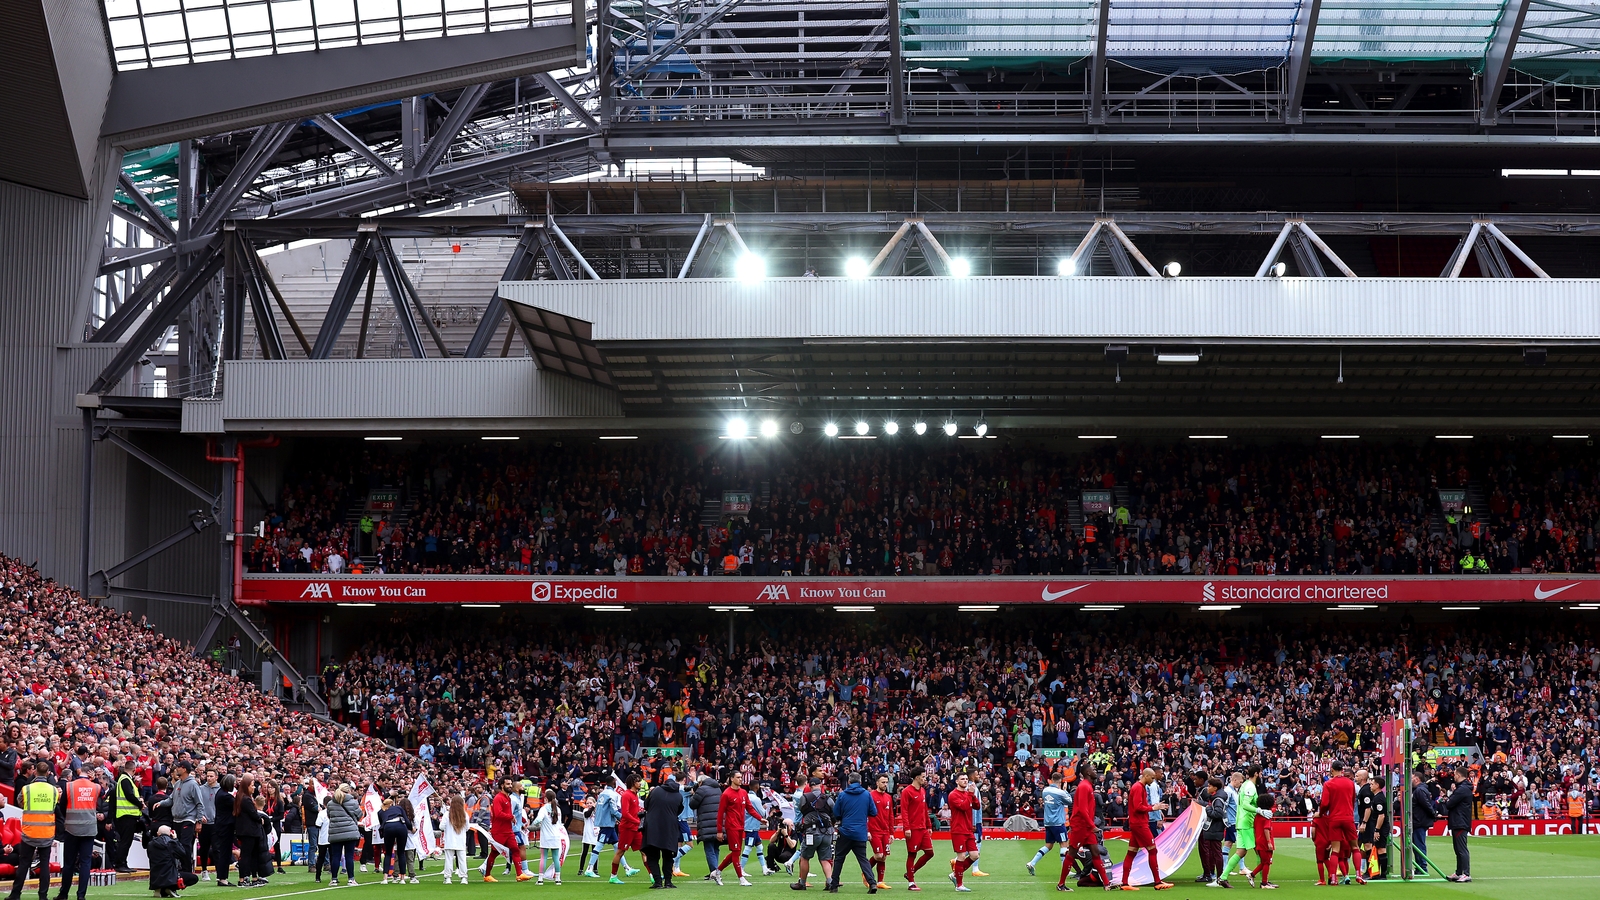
[
  {"x": 1539, "y": 593},
  {"x": 1047, "y": 595}
]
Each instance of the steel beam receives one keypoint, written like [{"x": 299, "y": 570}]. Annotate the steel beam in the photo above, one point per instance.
[
  {"x": 345, "y": 136},
  {"x": 199, "y": 521},
  {"x": 679, "y": 39},
  {"x": 158, "y": 224},
  {"x": 344, "y": 296},
  {"x": 694, "y": 248},
  {"x": 135, "y": 451},
  {"x": 561, "y": 95},
  {"x": 1305, "y": 35},
  {"x": 256, "y": 157},
  {"x": 897, "y": 70},
  {"x": 518, "y": 268},
  {"x": 550, "y": 223},
  {"x": 1497, "y": 59},
  {"x": 189, "y": 285},
  {"x": 453, "y": 122},
  {"x": 1515, "y": 250},
  {"x": 1097, "y": 66},
  {"x": 399, "y": 297},
  {"x": 135, "y": 303}
]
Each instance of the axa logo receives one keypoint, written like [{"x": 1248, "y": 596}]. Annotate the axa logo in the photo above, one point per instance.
[
  {"x": 774, "y": 592},
  {"x": 1208, "y": 593},
  {"x": 317, "y": 590},
  {"x": 541, "y": 591}
]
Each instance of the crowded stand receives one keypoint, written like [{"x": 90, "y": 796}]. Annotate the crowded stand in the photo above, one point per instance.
[
  {"x": 1190, "y": 696},
  {"x": 901, "y": 509}
]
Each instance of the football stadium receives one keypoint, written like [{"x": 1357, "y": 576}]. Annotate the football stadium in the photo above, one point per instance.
[{"x": 1008, "y": 447}]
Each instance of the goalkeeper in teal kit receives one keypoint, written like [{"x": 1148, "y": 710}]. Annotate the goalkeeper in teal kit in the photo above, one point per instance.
[{"x": 1247, "y": 822}]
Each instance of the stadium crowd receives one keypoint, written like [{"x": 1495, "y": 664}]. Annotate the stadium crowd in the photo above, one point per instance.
[
  {"x": 1189, "y": 697},
  {"x": 901, "y": 509}
]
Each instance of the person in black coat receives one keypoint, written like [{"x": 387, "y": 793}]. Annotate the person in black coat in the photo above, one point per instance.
[
  {"x": 706, "y": 802},
  {"x": 660, "y": 824},
  {"x": 1458, "y": 807},
  {"x": 1423, "y": 815},
  {"x": 165, "y": 879},
  {"x": 247, "y": 826},
  {"x": 222, "y": 831}
]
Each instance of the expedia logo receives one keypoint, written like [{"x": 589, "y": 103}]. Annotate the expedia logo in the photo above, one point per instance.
[
  {"x": 317, "y": 590},
  {"x": 546, "y": 591},
  {"x": 1208, "y": 593},
  {"x": 774, "y": 592}
]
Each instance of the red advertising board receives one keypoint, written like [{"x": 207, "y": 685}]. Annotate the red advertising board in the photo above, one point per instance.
[{"x": 718, "y": 591}]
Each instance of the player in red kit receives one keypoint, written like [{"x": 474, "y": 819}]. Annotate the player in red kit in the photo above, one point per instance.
[
  {"x": 1139, "y": 836},
  {"x": 1264, "y": 842},
  {"x": 630, "y": 837},
  {"x": 730, "y": 826},
  {"x": 1339, "y": 806},
  {"x": 880, "y": 828},
  {"x": 919, "y": 828},
  {"x": 963, "y": 841},
  {"x": 1319, "y": 847},
  {"x": 1082, "y": 836}
]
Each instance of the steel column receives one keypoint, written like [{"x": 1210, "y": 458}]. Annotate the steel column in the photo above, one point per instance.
[{"x": 344, "y": 296}]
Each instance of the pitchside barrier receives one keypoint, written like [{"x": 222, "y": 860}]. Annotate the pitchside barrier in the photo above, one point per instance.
[{"x": 731, "y": 591}]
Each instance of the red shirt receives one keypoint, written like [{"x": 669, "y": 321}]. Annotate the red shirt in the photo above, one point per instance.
[
  {"x": 1083, "y": 807},
  {"x": 913, "y": 809},
  {"x": 1138, "y": 806},
  {"x": 500, "y": 816},
  {"x": 961, "y": 803},
  {"x": 1339, "y": 799},
  {"x": 631, "y": 807},
  {"x": 1263, "y": 833},
  {"x": 882, "y": 824},
  {"x": 730, "y": 814}
]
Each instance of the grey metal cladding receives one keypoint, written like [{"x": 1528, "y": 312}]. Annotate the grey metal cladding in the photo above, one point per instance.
[
  {"x": 1286, "y": 310},
  {"x": 400, "y": 392}
]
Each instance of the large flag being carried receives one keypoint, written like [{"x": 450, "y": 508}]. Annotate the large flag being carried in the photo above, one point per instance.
[
  {"x": 421, "y": 790},
  {"x": 371, "y": 804},
  {"x": 1173, "y": 846}
]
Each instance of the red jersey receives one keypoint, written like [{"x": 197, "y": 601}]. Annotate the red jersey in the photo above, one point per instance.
[
  {"x": 1138, "y": 805},
  {"x": 1263, "y": 827},
  {"x": 631, "y": 807},
  {"x": 914, "y": 808},
  {"x": 1083, "y": 808},
  {"x": 961, "y": 803},
  {"x": 731, "y": 812},
  {"x": 1339, "y": 799},
  {"x": 500, "y": 812},
  {"x": 882, "y": 824}
]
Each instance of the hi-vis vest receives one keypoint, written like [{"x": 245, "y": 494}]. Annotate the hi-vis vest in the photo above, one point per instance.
[
  {"x": 126, "y": 807},
  {"x": 83, "y": 802},
  {"x": 39, "y": 811},
  {"x": 1575, "y": 807}
]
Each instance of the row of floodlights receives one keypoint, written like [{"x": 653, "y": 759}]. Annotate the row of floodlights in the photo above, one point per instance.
[
  {"x": 751, "y": 267},
  {"x": 738, "y": 429}
]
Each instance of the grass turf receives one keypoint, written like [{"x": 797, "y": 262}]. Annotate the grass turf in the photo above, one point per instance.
[{"x": 1516, "y": 868}]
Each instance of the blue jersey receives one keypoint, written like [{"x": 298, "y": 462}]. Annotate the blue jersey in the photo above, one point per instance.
[{"x": 1055, "y": 806}]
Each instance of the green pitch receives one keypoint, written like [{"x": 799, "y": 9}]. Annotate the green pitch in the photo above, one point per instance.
[{"x": 1515, "y": 868}]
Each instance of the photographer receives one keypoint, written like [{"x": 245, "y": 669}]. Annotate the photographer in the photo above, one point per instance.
[
  {"x": 784, "y": 845},
  {"x": 816, "y": 830}
]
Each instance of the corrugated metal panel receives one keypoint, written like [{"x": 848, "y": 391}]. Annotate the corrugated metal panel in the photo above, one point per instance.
[
  {"x": 51, "y": 245},
  {"x": 202, "y": 416},
  {"x": 359, "y": 393},
  {"x": 1025, "y": 308}
]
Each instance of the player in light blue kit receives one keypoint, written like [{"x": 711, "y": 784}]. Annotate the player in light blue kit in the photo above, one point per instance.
[{"x": 1056, "y": 799}]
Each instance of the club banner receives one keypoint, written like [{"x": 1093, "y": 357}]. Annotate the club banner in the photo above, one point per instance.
[
  {"x": 1353, "y": 591},
  {"x": 1173, "y": 846}
]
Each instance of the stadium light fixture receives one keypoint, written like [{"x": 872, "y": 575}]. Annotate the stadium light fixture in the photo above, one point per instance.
[
  {"x": 950, "y": 428},
  {"x": 856, "y": 267},
  {"x": 1208, "y": 437},
  {"x": 1341, "y": 437},
  {"x": 731, "y": 609},
  {"x": 619, "y": 437},
  {"x": 1570, "y": 437},
  {"x": 920, "y": 428},
  {"x": 382, "y": 437},
  {"x": 982, "y": 428},
  {"x": 1453, "y": 437},
  {"x": 891, "y": 428},
  {"x": 960, "y": 267},
  {"x": 1348, "y": 607},
  {"x": 480, "y": 606},
  {"x": 1460, "y": 608},
  {"x": 1172, "y": 269},
  {"x": 1097, "y": 437},
  {"x": 607, "y": 608},
  {"x": 1101, "y": 607},
  {"x": 1066, "y": 268},
  {"x": 1218, "y": 607},
  {"x": 979, "y": 608},
  {"x": 356, "y": 604},
  {"x": 862, "y": 428},
  {"x": 1278, "y": 270},
  {"x": 750, "y": 268},
  {"x": 831, "y": 430},
  {"x": 1177, "y": 357},
  {"x": 500, "y": 437},
  {"x": 769, "y": 428},
  {"x": 738, "y": 429},
  {"x": 855, "y": 609}
]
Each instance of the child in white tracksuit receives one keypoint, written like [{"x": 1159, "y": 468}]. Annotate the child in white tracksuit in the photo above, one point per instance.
[{"x": 455, "y": 839}]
